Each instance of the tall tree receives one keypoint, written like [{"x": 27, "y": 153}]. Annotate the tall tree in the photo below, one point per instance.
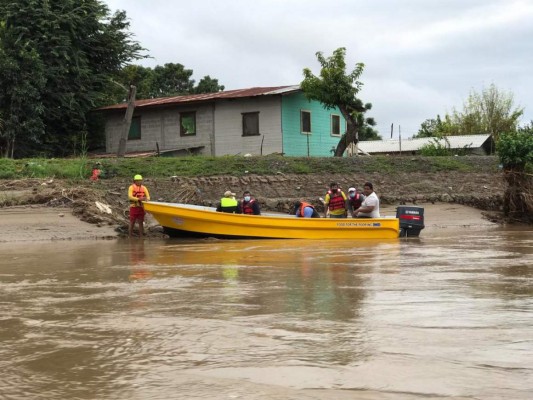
[
  {"x": 208, "y": 85},
  {"x": 162, "y": 81},
  {"x": 366, "y": 130},
  {"x": 336, "y": 88},
  {"x": 140, "y": 77},
  {"x": 21, "y": 106},
  {"x": 75, "y": 46},
  {"x": 490, "y": 112},
  {"x": 172, "y": 80}
]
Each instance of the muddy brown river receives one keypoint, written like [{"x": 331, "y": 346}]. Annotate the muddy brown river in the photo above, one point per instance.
[{"x": 448, "y": 315}]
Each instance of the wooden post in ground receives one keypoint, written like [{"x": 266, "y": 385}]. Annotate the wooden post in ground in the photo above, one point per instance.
[{"x": 127, "y": 122}]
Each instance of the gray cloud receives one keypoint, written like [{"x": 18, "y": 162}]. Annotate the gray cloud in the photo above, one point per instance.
[{"x": 422, "y": 57}]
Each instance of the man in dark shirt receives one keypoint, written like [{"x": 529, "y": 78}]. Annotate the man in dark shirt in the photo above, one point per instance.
[{"x": 355, "y": 199}]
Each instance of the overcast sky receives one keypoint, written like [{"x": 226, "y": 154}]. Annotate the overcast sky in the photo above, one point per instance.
[{"x": 422, "y": 57}]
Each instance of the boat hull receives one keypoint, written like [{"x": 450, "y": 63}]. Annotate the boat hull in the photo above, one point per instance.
[{"x": 191, "y": 220}]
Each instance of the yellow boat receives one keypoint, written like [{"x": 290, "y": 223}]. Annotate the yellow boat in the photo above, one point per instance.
[{"x": 191, "y": 220}]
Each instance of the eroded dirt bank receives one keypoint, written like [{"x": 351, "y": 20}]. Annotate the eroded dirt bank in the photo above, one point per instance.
[{"x": 37, "y": 199}]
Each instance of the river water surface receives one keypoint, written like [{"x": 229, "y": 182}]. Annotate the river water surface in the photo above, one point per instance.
[{"x": 448, "y": 315}]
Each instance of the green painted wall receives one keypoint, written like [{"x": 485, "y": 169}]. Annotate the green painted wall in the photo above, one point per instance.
[{"x": 320, "y": 140}]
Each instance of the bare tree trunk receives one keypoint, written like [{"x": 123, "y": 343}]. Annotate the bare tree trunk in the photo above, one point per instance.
[
  {"x": 12, "y": 149},
  {"x": 127, "y": 122}
]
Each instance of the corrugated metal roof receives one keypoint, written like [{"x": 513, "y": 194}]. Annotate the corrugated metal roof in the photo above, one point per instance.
[
  {"x": 392, "y": 146},
  {"x": 193, "y": 98}
]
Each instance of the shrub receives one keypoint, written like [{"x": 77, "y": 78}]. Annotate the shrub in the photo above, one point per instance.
[{"x": 515, "y": 149}]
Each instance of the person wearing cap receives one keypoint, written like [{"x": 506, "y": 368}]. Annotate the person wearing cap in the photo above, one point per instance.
[
  {"x": 229, "y": 204},
  {"x": 249, "y": 204},
  {"x": 370, "y": 206},
  {"x": 355, "y": 199},
  {"x": 137, "y": 193},
  {"x": 335, "y": 202}
]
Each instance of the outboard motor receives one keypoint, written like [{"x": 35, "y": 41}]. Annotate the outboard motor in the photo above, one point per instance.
[{"x": 411, "y": 220}]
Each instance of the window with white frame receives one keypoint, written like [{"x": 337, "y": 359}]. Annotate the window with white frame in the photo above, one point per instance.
[
  {"x": 335, "y": 125},
  {"x": 305, "y": 121}
]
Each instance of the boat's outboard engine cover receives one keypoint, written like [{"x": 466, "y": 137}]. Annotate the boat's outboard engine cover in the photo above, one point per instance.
[{"x": 411, "y": 220}]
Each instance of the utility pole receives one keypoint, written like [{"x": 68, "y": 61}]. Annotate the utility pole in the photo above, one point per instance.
[{"x": 127, "y": 122}]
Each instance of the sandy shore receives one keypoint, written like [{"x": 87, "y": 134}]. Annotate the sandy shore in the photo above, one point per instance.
[{"x": 35, "y": 223}]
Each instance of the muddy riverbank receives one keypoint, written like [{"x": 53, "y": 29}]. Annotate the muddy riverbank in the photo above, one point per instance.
[{"x": 53, "y": 209}]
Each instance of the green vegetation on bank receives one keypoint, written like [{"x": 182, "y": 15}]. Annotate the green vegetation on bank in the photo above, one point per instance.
[{"x": 162, "y": 167}]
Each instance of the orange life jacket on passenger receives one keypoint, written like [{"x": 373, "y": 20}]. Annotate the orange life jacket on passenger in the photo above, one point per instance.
[
  {"x": 138, "y": 191},
  {"x": 302, "y": 207},
  {"x": 336, "y": 202},
  {"x": 247, "y": 207}
]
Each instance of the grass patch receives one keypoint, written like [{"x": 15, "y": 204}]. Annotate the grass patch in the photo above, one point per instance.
[{"x": 163, "y": 167}]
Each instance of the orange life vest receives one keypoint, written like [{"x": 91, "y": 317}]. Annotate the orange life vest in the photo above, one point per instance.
[
  {"x": 302, "y": 207},
  {"x": 95, "y": 175},
  {"x": 138, "y": 191},
  {"x": 336, "y": 202}
]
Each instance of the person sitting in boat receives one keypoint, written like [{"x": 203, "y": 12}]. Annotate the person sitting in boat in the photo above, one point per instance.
[
  {"x": 229, "y": 204},
  {"x": 249, "y": 205},
  {"x": 355, "y": 199},
  {"x": 336, "y": 202},
  {"x": 370, "y": 206},
  {"x": 305, "y": 210}
]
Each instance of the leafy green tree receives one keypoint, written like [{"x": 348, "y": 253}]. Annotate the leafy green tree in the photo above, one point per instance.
[
  {"x": 515, "y": 150},
  {"x": 490, "y": 112},
  {"x": 172, "y": 80},
  {"x": 162, "y": 81},
  {"x": 366, "y": 130},
  {"x": 21, "y": 85},
  {"x": 335, "y": 88},
  {"x": 428, "y": 128},
  {"x": 74, "y": 47},
  {"x": 208, "y": 85},
  {"x": 140, "y": 77}
]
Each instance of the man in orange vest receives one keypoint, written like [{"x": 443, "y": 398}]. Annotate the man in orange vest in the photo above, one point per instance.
[
  {"x": 305, "y": 210},
  {"x": 137, "y": 193}
]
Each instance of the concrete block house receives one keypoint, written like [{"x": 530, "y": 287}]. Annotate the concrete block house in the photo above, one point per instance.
[{"x": 257, "y": 121}]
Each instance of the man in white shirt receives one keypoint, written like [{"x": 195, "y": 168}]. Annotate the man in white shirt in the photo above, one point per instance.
[{"x": 370, "y": 206}]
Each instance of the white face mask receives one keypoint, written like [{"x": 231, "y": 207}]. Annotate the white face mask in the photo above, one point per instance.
[
  {"x": 352, "y": 194},
  {"x": 246, "y": 198}
]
